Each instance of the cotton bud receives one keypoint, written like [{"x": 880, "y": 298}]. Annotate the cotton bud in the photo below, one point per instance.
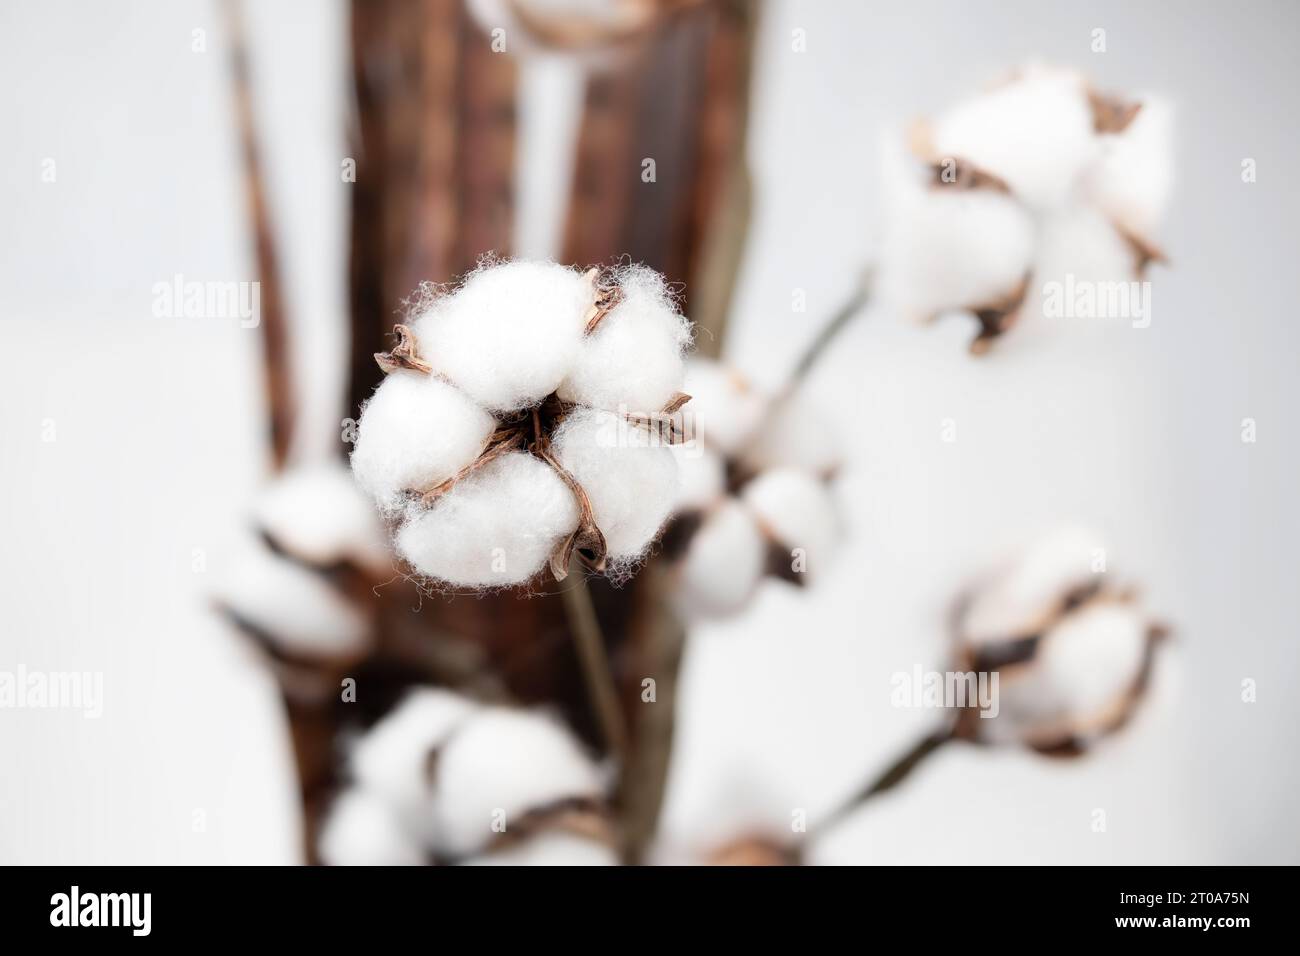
[
  {"x": 500, "y": 770},
  {"x": 629, "y": 477},
  {"x": 633, "y": 361},
  {"x": 510, "y": 334},
  {"x": 721, "y": 567},
  {"x": 550, "y": 849},
  {"x": 495, "y": 527},
  {"x": 795, "y": 511},
  {"x": 1073, "y": 653},
  {"x": 725, "y": 409},
  {"x": 361, "y": 830},
  {"x": 415, "y": 432}
]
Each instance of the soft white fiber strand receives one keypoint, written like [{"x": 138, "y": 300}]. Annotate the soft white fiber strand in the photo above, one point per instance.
[
  {"x": 723, "y": 563},
  {"x": 416, "y": 431},
  {"x": 550, "y": 849},
  {"x": 509, "y": 334},
  {"x": 495, "y": 527},
  {"x": 361, "y": 830},
  {"x": 505, "y": 761},
  {"x": 294, "y": 606},
  {"x": 633, "y": 361},
  {"x": 318, "y": 514},
  {"x": 797, "y": 510},
  {"x": 629, "y": 476},
  {"x": 725, "y": 408}
]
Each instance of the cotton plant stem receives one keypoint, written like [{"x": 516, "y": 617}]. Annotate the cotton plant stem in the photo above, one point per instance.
[
  {"x": 837, "y": 323},
  {"x": 589, "y": 644},
  {"x": 895, "y": 774}
]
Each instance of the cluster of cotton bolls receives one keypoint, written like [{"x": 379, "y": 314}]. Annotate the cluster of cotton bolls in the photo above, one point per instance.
[
  {"x": 1073, "y": 651},
  {"x": 522, "y": 418},
  {"x": 1038, "y": 187},
  {"x": 444, "y": 779},
  {"x": 298, "y": 582},
  {"x": 754, "y": 497}
]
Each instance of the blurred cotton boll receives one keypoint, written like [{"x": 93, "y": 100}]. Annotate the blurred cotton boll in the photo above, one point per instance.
[
  {"x": 1133, "y": 178},
  {"x": 550, "y": 849},
  {"x": 797, "y": 514},
  {"x": 723, "y": 564},
  {"x": 725, "y": 408},
  {"x": 360, "y": 829}
]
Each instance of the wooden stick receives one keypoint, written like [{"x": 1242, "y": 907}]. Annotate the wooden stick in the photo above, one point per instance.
[{"x": 589, "y": 643}]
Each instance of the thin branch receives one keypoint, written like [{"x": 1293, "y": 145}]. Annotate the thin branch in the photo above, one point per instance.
[
  {"x": 837, "y": 323},
  {"x": 590, "y": 646},
  {"x": 282, "y": 405}
]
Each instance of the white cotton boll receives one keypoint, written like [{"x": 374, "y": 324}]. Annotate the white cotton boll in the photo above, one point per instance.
[
  {"x": 1015, "y": 601},
  {"x": 508, "y": 336},
  {"x": 1133, "y": 177},
  {"x": 633, "y": 361},
  {"x": 797, "y": 511},
  {"x": 318, "y": 514},
  {"x": 505, "y": 761},
  {"x": 550, "y": 849},
  {"x": 725, "y": 408},
  {"x": 954, "y": 249},
  {"x": 361, "y": 830},
  {"x": 415, "y": 432},
  {"x": 293, "y": 606},
  {"x": 391, "y": 759},
  {"x": 798, "y": 434},
  {"x": 1080, "y": 246},
  {"x": 497, "y": 526},
  {"x": 1093, "y": 657},
  {"x": 629, "y": 477},
  {"x": 701, "y": 477},
  {"x": 1034, "y": 132},
  {"x": 723, "y": 563}
]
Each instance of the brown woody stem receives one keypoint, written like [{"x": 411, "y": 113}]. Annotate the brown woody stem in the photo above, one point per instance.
[
  {"x": 589, "y": 644},
  {"x": 837, "y": 323}
]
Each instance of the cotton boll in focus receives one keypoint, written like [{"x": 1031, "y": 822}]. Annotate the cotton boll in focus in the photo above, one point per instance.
[
  {"x": 292, "y": 606},
  {"x": 633, "y": 360},
  {"x": 721, "y": 568},
  {"x": 415, "y": 432},
  {"x": 550, "y": 849},
  {"x": 1133, "y": 177},
  {"x": 724, "y": 408},
  {"x": 497, "y": 526},
  {"x": 391, "y": 759},
  {"x": 361, "y": 830},
  {"x": 797, "y": 511},
  {"x": 701, "y": 477},
  {"x": 510, "y": 334},
  {"x": 630, "y": 479},
  {"x": 318, "y": 514},
  {"x": 505, "y": 761},
  {"x": 1028, "y": 589},
  {"x": 1034, "y": 132},
  {"x": 798, "y": 434}
]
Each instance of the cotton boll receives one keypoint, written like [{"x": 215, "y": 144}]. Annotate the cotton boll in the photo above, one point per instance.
[
  {"x": 415, "y": 432},
  {"x": 724, "y": 408},
  {"x": 1133, "y": 177},
  {"x": 508, "y": 336},
  {"x": 294, "y": 607},
  {"x": 497, "y": 526},
  {"x": 391, "y": 760},
  {"x": 505, "y": 761},
  {"x": 721, "y": 568},
  {"x": 796, "y": 433},
  {"x": 797, "y": 511},
  {"x": 318, "y": 514},
  {"x": 633, "y": 360},
  {"x": 1083, "y": 244},
  {"x": 1034, "y": 132},
  {"x": 1015, "y": 601},
  {"x": 701, "y": 477},
  {"x": 630, "y": 479},
  {"x": 361, "y": 830},
  {"x": 550, "y": 849},
  {"x": 954, "y": 249}
]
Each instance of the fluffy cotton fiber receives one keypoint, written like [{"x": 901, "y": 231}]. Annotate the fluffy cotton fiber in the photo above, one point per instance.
[
  {"x": 630, "y": 479},
  {"x": 797, "y": 511},
  {"x": 318, "y": 514},
  {"x": 361, "y": 830},
  {"x": 415, "y": 432},
  {"x": 724, "y": 409},
  {"x": 722, "y": 566},
  {"x": 495, "y": 527},
  {"x": 634, "y": 359},
  {"x": 509, "y": 761},
  {"x": 510, "y": 334}
]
